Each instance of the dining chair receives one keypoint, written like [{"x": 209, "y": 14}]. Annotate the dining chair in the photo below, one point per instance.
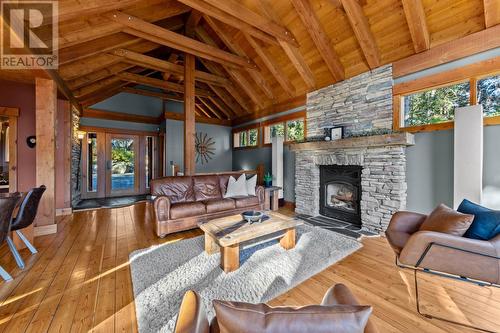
[{"x": 8, "y": 202}]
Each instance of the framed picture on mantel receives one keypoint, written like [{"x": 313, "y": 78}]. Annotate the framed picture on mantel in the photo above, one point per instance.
[{"x": 337, "y": 133}]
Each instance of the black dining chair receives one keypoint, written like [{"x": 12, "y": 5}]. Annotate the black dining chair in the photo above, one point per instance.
[
  {"x": 8, "y": 202},
  {"x": 24, "y": 218}
]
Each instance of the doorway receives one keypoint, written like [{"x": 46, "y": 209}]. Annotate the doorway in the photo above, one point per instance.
[{"x": 118, "y": 164}]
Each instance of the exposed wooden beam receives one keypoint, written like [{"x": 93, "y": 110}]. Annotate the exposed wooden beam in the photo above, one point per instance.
[
  {"x": 235, "y": 10},
  {"x": 235, "y": 48},
  {"x": 291, "y": 51},
  {"x": 98, "y": 75},
  {"x": 491, "y": 12},
  {"x": 273, "y": 109},
  {"x": 157, "y": 83},
  {"x": 172, "y": 58},
  {"x": 474, "y": 43},
  {"x": 417, "y": 23},
  {"x": 192, "y": 22},
  {"x": 189, "y": 115},
  {"x": 320, "y": 38},
  {"x": 278, "y": 74},
  {"x": 143, "y": 92},
  {"x": 246, "y": 86},
  {"x": 361, "y": 27},
  {"x": 228, "y": 100},
  {"x": 213, "y": 109},
  {"x": 235, "y": 94},
  {"x": 205, "y": 120},
  {"x": 202, "y": 112},
  {"x": 230, "y": 20},
  {"x": 97, "y": 28},
  {"x": 87, "y": 91},
  {"x": 71, "y": 10},
  {"x": 120, "y": 116},
  {"x": 222, "y": 106},
  {"x": 149, "y": 31},
  {"x": 165, "y": 66}
]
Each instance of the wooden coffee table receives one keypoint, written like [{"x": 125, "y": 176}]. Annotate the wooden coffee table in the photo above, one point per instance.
[{"x": 226, "y": 234}]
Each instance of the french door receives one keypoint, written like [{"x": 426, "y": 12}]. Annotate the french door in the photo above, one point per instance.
[
  {"x": 122, "y": 165},
  {"x": 118, "y": 164}
]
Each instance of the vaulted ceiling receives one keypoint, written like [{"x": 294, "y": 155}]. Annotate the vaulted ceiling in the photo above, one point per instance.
[{"x": 250, "y": 54}]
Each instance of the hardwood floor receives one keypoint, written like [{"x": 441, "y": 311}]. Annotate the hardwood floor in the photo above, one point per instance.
[{"x": 80, "y": 281}]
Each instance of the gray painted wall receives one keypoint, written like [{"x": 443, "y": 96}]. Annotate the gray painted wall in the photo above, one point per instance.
[
  {"x": 133, "y": 104},
  {"x": 430, "y": 168},
  {"x": 221, "y": 161}
]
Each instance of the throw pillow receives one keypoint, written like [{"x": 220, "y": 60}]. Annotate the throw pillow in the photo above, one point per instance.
[
  {"x": 259, "y": 318},
  {"x": 236, "y": 188},
  {"x": 251, "y": 183},
  {"x": 486, "y": 224},
  {"x": 446, "y": 220}
]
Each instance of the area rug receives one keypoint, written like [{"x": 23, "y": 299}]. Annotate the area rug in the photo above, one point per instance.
[{"x": 162, "y": 274}]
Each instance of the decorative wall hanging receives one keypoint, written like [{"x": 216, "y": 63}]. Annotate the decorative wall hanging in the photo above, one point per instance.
[{"x": 204, "y": 147}]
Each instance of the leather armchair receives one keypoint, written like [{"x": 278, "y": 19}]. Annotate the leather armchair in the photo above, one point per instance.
[
  {"x": 192, "y": 317},
  {"x": 460, "y": 256}
]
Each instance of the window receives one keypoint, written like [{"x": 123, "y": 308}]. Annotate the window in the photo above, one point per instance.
[
  {"x": 435, "y": 105},
  {"x": 295, "y": 130},
  {"x": 488, "y": 94},
  {"x": 290, "y": 130},
  {"x": 91, "y": 162},
  {"x": 246, "y": 138},
  {"x": 149, "y": 160}
]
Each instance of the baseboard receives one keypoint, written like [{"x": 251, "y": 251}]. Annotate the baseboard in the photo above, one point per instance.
[
  {"x": 64, "y": 211},
  {"x": 45, "y": 230},
  {"x": 289, "y": 205}
]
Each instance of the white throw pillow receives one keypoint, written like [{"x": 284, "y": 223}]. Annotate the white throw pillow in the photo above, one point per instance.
[
  {"x": 236, "y": 187},
  {"x": 251, "y": 183}
]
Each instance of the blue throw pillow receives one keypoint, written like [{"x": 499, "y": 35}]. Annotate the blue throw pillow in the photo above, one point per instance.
[{"x": 486, "y": 224}]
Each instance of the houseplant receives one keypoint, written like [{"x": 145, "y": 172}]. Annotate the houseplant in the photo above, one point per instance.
[{"x": 268, "y": 180}]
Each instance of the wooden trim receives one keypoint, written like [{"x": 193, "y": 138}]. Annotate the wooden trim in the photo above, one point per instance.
[
  {"x": 489, "y": 121},
  {"x": 148, "y": 93},
  {"x": 428, "y": 128},
  {"x": 491, "y": 12},
  {"x": 111, "y": 130},
  {"x": 456, "y": 49},
  {"x": 13, "y": 153},
  {"x": 273, "y": 109},
  {"x": 64, "y": 211},
  {"x": 205, "y": 120},
  {"x": 245, "y": 128},
  {"x": 45, "y": 230},
  {"x": 473, "y": 91},
  {"x": 120, "y": 116},
  {"x": 286, "y": 117},
  {"x": 479, "y": 69},
  {"x": 9, "y": 112}
]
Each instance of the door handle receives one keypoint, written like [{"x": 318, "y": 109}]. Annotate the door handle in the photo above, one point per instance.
[{"x": 109, "y": 165}]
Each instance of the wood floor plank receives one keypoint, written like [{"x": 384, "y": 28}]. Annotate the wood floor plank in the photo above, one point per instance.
[{"x": 80, "y": 281}]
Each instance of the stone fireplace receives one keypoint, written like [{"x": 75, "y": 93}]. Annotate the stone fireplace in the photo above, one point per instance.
[{"x": 368, "y": 182}]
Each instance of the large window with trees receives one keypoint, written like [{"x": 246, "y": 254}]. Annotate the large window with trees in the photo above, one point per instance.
[
  {"x": 291, "y": 130},
  {"x": 246, "y": 138},
  {"x": 428, "y": 103}
]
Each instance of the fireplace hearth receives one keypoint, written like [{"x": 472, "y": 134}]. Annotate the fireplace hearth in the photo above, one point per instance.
[{"x": 340, "y": 192}]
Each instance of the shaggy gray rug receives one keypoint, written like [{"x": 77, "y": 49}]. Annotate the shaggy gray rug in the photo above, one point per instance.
[{"x": 162, "y": 274}]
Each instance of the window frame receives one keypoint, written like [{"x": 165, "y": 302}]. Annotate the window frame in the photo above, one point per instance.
[
  {"x": 470, "y": 73},
  {"x": 246, "y": 130}
]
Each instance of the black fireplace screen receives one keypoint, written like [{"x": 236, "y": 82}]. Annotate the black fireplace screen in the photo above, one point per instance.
[{"x": 340, "y": 192}]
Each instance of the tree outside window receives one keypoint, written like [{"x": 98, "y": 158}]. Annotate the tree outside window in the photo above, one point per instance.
[
  {"x": 295, "y": 130},
  {"x": 488, "y": 94}
]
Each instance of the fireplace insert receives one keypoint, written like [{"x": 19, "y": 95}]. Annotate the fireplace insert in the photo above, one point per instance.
[{"x": 340, "y": 192}]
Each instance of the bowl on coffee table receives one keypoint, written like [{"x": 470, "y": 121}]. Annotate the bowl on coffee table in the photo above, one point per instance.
[{"x": 252, "y": 216}]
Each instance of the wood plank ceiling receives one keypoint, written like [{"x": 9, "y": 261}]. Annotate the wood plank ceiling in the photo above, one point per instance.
[{"x": 251, "y": 55}]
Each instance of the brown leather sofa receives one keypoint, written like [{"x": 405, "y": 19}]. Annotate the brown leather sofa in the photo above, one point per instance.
[
  {"x": 464, "y": 257},
  {"x": 182, "y": 202},
  {"x": 192, "y": 318}
]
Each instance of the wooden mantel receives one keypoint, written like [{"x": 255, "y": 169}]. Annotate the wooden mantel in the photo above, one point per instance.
[{"x": 394, "y": 139}]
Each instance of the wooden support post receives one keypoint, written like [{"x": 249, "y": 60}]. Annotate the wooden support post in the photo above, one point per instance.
[
  {"x": 189, "y": 115},
  {"x": 46, "y": 110}
]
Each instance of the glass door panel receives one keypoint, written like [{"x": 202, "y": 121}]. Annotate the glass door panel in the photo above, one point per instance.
[{"x": 122, "y": 165}]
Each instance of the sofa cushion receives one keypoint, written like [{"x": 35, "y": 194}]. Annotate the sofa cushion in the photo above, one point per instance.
[
  {"x": 236, "y": 187},
  {"x": 252, "y": 318},
  {"x": 224, "y": 180},
  {"x": 251, "y": 185},
  {"x": 177, "y": 189},
  {"x": 186, "y": 209},
  {"x": 446, "y": 220},
  {"x": 486, "y": 224},
  {"x": 245, "y": 201},
  {"x": 206, "y": 187},
  {"x": 219, "y": 205}
]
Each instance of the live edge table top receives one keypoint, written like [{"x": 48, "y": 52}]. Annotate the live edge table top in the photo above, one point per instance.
[{"x": 231, "y": 230}]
